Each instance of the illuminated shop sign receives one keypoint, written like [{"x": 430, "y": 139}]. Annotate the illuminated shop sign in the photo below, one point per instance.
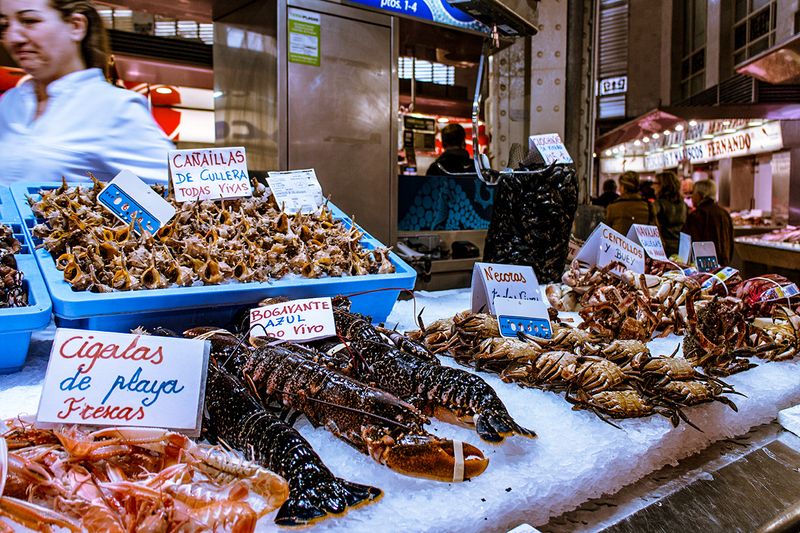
[
  {"x": 434, "y": 10},
  {"x": 753, "y": 140},
  {"x": 616, "y": 85}
]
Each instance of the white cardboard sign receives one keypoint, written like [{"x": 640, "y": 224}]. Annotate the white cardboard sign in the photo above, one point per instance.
[
  {"x": 650, "y": 239},
  {"x": 516, "y": 316},
  {"x": 605, "y": 246},
  {"x": 685, "y": 248},
  {"x": 209, "y": 174},
  {"x": 128, "y": 197},
  {"x": 705, "y": 255},
  {"x": 296, "y": 190},
  {"x": 119, "y": 379},
  {"x": 296, "y": 320},
  {"x": 551, "y": 148},
  {"x": 490, "y": 281}
]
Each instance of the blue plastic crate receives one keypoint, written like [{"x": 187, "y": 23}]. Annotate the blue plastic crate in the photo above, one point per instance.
[
  {"x": 183, "y": 307},
  {"x": 18, "y": 323}
]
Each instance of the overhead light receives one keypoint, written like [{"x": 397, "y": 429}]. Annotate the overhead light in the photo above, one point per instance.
[
  {"x": 656, "y": 136},
  {"x": 608, "y": 152},
  {"x": 218, "y": 94},
  {"x": 693, "y": 123},
  {"x": 708, "y": 136},
  {"x": 679, "y": 127},
  {"x": 667, "y": 132},
  {"x": 594, "y": 154},
  {"x": 646, "y": 140},
  {"x": 755, "y": 122},
  {"x": 442, "y": 120},
  {"x": 637, "y": 142},
  {"x": 674, "y": 145},
  {"x": 164, "y": 90},
  {"x": 726, "y": 122},
  {"x": 615, "y": 151},
  {"x": 690, "y": 141},
  {"x": 729, "y": 130}
]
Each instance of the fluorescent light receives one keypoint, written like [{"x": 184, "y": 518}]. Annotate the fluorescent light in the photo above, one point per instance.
[
  {"x": 708, "y": 136},
  {"x": 164, "y": 90},
  {"x": 679, "y": 127},
  {"x": 755, "y": 122},
  {"x": 730, "y": 130},
  {"x": 690, "y": 141},
  {"x": 218, "y": 94},
  {"x": 442, "y": 120},
  {"x": 726, "y": 122},
  {"x": 674, "y": 145},
  {"x": 693, "y": 123}
]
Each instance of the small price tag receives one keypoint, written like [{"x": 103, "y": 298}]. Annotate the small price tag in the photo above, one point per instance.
[
  {"x": 296, "y": 190},
  {"x": 116, "y": 379},
  {"x": 128, "y": 197},
  {"x": 719, "y": 277},
  {"x": 551, "y": 148},
  {"x": 297, "y": 320},
  {"x": 685, "y": 248},
  {"x": 705, "y": 256},
  {"x": 490, "y": 281},
  {"x": 650, "y": 239},
  {"x": 605, "y": 246},
  {"x": 211, "y": 174},
  {"x": 777, "y": 293},
  {"x": 522, "y": 316}
]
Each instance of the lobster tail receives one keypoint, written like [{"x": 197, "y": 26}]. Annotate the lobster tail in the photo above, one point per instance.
[
  {"x": 494, "y": 426},
  {"x": 332, "y": 497}
]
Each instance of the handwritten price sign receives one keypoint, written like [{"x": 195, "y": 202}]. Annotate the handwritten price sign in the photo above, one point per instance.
[
  {"x": 605, "y": 246},
  {"x": 117, "y": 379},
  {"x": 650, "y": 239},
  {"x": 297, "y": 320},
  {"x": 490, "y": 281},
  {"x": 209, "y": 174}
]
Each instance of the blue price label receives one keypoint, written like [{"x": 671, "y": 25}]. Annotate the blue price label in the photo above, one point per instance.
[
  {"x": 126, "y": 208},
  {"x": 510, "y": 326}
]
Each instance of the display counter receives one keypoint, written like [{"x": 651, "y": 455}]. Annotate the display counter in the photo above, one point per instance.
[
  {"x": 576, "y": 456},
  {"x": 759, "y": 256}
]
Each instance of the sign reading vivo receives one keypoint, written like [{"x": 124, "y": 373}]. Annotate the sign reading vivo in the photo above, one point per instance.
[{"x": 434, "y": 10}]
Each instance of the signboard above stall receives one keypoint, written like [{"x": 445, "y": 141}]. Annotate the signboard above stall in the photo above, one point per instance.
[{"x": 432, "y": 10}]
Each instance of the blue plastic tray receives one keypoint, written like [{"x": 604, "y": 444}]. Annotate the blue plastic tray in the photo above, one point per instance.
[
  {"x": 184, "y": 307},
  {"x": 18, "y": 323}
]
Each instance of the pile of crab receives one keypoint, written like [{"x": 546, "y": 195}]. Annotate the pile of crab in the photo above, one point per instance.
[{"x": 613, "y": 378}]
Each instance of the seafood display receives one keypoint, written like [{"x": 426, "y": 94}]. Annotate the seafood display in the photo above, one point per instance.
[
  {"x": 12, "y": 291},
  {"x": 206, "y": 242},
  {"x": 532, "y": 220},
  {"x": 373, "y": 421},
  {"x": 234, "y": 416},
  {"x": 126, "y": 479}
]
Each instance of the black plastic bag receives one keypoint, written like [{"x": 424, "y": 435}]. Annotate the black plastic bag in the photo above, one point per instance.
[{"x": 532, "y": 219}]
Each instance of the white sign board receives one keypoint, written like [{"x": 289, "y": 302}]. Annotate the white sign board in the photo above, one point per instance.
[
  {"x": 211, "y": 174},
  {"x": 705, "y": 255},
  {"x": 490, "y": 281},
  {"x": 529, "y": 317},
  {"x": 605, "y": 246},
  {"x": 119, "y": 379},
  {"x": 296, "y": 320},
  {"x": 128, "y": 197},
  {"x": 551, "y": 148},
  {"x": 296, "y": 190},
  {"x": 615, "y": 85},
  {"x": 685, "y": 248},
  {"x": 650, "y": 239}
]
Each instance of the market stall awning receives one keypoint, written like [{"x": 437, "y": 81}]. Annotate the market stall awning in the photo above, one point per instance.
[
  {"x": 665, "y": 118},
  {"x": 780, "y": 65}
]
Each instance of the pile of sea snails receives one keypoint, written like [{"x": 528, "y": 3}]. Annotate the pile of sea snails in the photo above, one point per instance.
[
  {"x": 206, "y": 242},
  {"x": 12, "y": 291}
]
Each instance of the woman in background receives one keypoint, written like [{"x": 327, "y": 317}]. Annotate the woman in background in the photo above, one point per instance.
[
  {"x": 630, "y": 208},
  {"x": 67, "y": 120},
  {"x": 671, "y": 210}
]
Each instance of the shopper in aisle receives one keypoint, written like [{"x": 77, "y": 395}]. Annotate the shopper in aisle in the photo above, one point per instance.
[
  {"x": 66, "y": 119},
  {"x": 671, "y": 210},
  {"x": 709, "y": 221},
  {"x": 609, "y": 194},
  {"x": 630, "y": 208},
  {"x": 455, "y": 157}
]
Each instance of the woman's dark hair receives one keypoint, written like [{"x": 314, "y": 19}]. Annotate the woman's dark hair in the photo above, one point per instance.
[
  {"x": 94, "y": 47},
  {"x": 670, "y": 186}
]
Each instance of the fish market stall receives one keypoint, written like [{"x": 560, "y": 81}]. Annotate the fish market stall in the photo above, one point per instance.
[
  {"x": 576, "y": 456},
  {"x": 767, "y": 252}
]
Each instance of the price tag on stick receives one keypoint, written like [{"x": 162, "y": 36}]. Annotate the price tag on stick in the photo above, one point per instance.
[{"x": 118, "y": 379}]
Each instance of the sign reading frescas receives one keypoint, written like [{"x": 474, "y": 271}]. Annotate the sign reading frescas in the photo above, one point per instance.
[
  {"x": 295, "y": 320},
  {"x": 210, "y": 174},
  {"x": 118, "y": 379},
  {"x": 605, "y": 246}
]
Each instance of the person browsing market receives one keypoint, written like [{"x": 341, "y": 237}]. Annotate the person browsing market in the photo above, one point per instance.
[{"x": 66, "y": 119}]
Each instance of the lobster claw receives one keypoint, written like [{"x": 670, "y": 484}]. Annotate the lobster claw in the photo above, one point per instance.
[{"x": 431, "y": 458}]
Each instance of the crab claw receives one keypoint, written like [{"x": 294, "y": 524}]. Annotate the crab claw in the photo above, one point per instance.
[{"x": 431, "y": 458}]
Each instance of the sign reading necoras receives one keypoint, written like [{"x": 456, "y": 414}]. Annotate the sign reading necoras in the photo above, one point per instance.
[
  {"x": 119, "y": 379},
  {"x": 490, "y": 281},
  {"x": 650, "y": 239},
  {"x": 605, "y": 246},
  {"x": 296, "y": 320},
  {"x": 551, "y": 148},
  {"x": 211, "y": 174}
]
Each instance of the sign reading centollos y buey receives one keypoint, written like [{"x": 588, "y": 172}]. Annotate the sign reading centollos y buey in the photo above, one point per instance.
[
  {"x": 295, "y": 320},
  {"x": 117, "y": 379},
  {"x": 650, "y": 239},
  {"x": 490, "y": 281},
  {"x": 210, "y": 174},
  {"x": 605, "y": 246}
]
